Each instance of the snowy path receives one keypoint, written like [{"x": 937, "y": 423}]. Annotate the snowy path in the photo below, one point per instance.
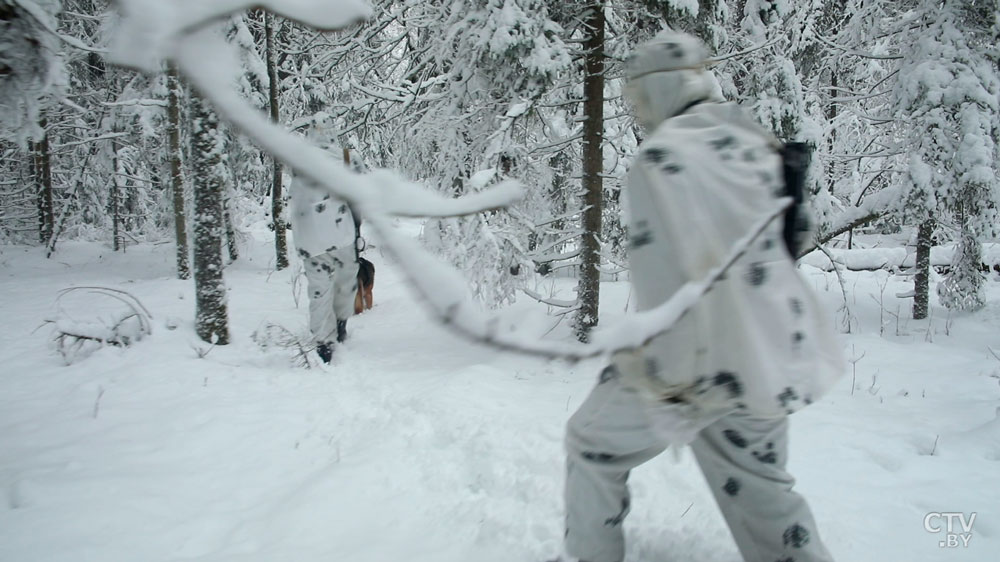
[{"x": 414, "y": 445}]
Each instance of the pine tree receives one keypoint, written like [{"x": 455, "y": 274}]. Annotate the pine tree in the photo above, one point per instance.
[{"x": 948, "y": 93}]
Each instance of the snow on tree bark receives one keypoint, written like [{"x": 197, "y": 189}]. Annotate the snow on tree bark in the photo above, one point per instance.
[
  {"x": 593, "y": 168},
  {"x": 211, "y": 317},
  {"x": 277, "y": 204},
  {"x": 227, "y": 220},
  {"x": 43, "y": 178},
  {"x": 175, "y": 156},
  {"x": 921, "y": 280},
  {"x": 115, "y": 199}
]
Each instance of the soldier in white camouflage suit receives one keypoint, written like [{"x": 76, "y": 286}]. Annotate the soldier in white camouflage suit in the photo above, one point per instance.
[
  {"x": 324, "y": 232},
  {"x": 754, "y": 349}
]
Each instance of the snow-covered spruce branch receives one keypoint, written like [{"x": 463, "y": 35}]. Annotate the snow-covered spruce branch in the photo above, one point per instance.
[
  {"x": 852, "y": 52},
  {"x": 739, "y": 54}
]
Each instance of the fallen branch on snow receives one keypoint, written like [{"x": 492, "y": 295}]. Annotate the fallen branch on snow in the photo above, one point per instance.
[{"x": 119, "y": 326}]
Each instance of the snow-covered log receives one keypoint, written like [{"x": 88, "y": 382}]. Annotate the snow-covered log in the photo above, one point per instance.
[{"x": 900, "y": 258}]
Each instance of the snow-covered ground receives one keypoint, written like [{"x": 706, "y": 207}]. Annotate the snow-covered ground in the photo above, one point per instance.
[{"x": 415, "y": 445}]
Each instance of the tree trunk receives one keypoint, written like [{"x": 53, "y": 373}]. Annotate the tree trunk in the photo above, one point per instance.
[
  {"x": 115, "y": 203},
  {"x": 227, "y": 217},
  {"x": 174, "y": 95},
  {"x": 211, "y": 317},
  {"x": 277, "y": 204},
  {"x": 43, "y": 177},
  {"x": 589, "y": 285},
  {"x": 921, "y": 281}
]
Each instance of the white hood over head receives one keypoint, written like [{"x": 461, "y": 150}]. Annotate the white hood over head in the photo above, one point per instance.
[{"x": 666, "y": 75}]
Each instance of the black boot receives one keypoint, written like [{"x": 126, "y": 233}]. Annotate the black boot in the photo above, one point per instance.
[
  {"x": 325, "y": 351},
  {"x": 341, "y": 330}
]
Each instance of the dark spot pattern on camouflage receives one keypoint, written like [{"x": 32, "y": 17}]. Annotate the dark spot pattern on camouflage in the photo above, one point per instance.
[
  {"x": 796, "y": 536},
  {"x": 731, "y": 382},
  {"x": 769, "y": 457},
  {"x": 732, "y": 487},
  {"x": 735, "y": 437},
  {"x": 796, "y": 305},
  {"x": 620, "y": 518},
  {"x": 655, "y": 155},
  {"x": 787, "y": 395},
  {"x": 756, "y": 274}
]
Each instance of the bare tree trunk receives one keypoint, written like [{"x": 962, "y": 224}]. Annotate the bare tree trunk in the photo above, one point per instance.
[
  {"x": 174, "y": 95},
  {"x": 921, "y": 281},
  {"x": 589, "y": 285},
  {"x": 277, "y": 204},
  {"x": 211, "y": 316},
  {"x": 43, "y": 176}
]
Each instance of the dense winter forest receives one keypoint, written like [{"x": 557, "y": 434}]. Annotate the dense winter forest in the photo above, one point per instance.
[{"x": 898, "y": 98}]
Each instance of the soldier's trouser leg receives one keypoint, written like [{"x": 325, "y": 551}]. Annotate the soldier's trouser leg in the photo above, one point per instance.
[
  {"x": 743, "y": 459},
  {"x": 319, "y": 277},
  {"x": 612, "y": 433},
  {"x": 345, "y": 282},
  {"x": 606, "y": 438}
]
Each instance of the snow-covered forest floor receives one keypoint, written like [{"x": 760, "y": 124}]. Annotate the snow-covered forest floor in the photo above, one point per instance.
[{"x": 415, "y": 445}]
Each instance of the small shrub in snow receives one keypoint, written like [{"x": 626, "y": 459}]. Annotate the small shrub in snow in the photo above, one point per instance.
[
  {"x": 273, "y": 336},
  {"x": 115, "y": 318}
]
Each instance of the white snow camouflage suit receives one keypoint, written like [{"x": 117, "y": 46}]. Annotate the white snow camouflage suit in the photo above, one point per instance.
[
  {"x": 754, "y": 349},
  {"x": 324, "y": 234}
]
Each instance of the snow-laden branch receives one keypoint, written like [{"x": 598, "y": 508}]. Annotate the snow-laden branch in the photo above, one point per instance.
[
  {"x": 739, "y": 54},
  {"x": 137, "y": 102},
  {"x": 442, "y": 288},
  {"x": 43, "y": 20},
  {"x": 151, "y": 30},
  {"x": 852, "y": 52},
  {"x": 560, "y": 303},
  {"x": 106, "y": 136},
  {"x": 209, "y": 63},
  {"x": 868, "y": 210}
]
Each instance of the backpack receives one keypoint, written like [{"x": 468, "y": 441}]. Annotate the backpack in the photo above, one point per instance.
[{"x": 795, "y": 159}]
